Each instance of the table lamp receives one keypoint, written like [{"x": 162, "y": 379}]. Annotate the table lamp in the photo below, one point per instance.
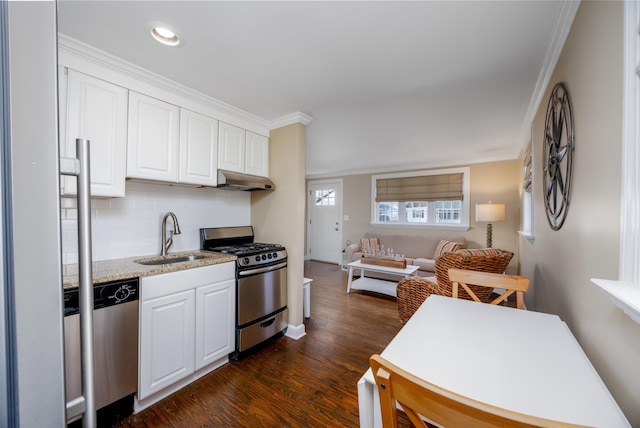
[{"x": 490, "y": 212}]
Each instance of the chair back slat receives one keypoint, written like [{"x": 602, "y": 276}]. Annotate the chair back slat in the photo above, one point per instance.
[{"x": 471, "y": 279}]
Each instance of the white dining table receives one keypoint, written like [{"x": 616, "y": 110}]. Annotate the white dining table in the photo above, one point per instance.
[{"x": 524, "y": 361}]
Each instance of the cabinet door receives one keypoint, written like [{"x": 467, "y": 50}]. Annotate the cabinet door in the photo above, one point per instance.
[
  {"x": 231, "y": 142},
  {"x": 152, "y": 149},
  {"x": 97, "y": 110},
  {"x": 166, "y": 341},
  {"x": 257, "y": 155},
  {"x": 215, "y": 322},
  {"x": 198, "y": 149}
]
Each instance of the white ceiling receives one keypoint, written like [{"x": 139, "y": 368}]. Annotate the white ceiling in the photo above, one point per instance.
[{"x": 389, "y": 84}]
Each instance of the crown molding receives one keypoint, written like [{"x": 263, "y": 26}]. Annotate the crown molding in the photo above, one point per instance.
[
  {"x": 297, "y": 117},
  {"x": 561, "y": 31},
  {"x": 85, "y": 58},
  {"x": 448, "y": 164}
]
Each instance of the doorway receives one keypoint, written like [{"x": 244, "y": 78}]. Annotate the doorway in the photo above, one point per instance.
[{"x": 324, "y": 224}]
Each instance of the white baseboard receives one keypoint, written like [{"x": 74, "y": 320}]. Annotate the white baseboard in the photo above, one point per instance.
[{"x": 296, "y": 331}]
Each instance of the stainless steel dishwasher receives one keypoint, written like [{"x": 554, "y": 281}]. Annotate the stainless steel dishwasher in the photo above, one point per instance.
[{"x": 115, "y": 325}]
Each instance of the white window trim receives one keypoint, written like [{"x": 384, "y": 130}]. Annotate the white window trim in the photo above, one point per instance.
[
  {"x": 528, "y": 233},
  {"x": 466, "y": 180},
  {"x": 625, "y": 292}
]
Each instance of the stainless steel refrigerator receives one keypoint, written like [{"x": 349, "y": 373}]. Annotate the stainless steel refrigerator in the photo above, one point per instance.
[{"x": 31, "y": 312}]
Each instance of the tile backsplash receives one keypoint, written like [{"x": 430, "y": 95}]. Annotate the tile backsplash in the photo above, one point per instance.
[{"x": 131, "y": 226}]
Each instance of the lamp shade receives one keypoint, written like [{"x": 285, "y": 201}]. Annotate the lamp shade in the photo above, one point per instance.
[{"x": 490, "y": 212}]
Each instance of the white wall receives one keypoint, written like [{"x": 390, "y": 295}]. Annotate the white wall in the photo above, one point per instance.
[
  {"x": 130, "y": 226},
  {"x": 561, "y": 263}
]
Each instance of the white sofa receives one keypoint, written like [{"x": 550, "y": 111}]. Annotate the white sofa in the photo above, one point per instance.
[{"x": 418, "y": 250}]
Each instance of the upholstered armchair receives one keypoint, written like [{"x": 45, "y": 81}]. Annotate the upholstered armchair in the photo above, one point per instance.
[{"x": 413, "y": 291}]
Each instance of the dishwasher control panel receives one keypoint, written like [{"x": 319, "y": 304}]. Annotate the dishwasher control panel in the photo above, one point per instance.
[{"x": 104, "y": 295}]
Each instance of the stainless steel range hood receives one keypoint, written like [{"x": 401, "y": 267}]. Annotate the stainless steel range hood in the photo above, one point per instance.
[{"x": 229, "y": 180}]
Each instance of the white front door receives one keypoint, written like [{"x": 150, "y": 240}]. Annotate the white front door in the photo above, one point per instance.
[{"x": 325, "y": 221}]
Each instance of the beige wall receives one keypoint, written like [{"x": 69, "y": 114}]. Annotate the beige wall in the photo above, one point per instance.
[
  {"x": 495, "y": 181},
  {"x": 279, "y": 216},
  {"x": 561, "y": 263}
]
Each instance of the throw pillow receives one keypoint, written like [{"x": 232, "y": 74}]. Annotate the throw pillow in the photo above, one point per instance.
[
  {"x": 479, "y": 252},
  {"x": 369, "y": 245},
  {"x": 445, "y": 246}
]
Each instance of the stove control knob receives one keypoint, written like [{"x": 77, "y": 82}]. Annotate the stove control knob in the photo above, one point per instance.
[
  {"x": 264, "y": 257},
  {"x": 275, "y": 255},
  {"x": 245, "y": 260},
  {"x": 269, "y": 256},
  {"x": 257, "y": 258}
]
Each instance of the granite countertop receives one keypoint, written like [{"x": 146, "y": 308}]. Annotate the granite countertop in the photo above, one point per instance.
[{"x": 111, "y": 270}]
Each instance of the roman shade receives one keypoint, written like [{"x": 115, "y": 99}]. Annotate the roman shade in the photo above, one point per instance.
[
  {"x": 526, "y": 168},
  {"x": 443, "y": 187}
]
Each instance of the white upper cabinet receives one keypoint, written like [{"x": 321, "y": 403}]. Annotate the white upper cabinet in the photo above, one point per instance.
[
  {"x": 242, "y": 151},
  {"x": 152, "y": 149},
  {"x": 231, "y": 146},
  {"x": 95, "y": 110},
  {"x": 198, "y": 149},
  {"x": 257, "y": 155},
  {"x": 148, "y": 127}
]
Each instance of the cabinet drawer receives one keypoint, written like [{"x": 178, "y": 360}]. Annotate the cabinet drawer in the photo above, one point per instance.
[{"x": 176, "y": 282}]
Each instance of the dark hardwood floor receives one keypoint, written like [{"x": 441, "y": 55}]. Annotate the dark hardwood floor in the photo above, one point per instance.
[{"x": 309, "y": 382}]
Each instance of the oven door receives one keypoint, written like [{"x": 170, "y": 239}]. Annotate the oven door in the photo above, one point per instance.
[{"x": 261, "y": 292}]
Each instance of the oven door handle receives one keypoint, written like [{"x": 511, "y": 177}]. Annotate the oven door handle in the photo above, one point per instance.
[{"x": 262, "y": 270}]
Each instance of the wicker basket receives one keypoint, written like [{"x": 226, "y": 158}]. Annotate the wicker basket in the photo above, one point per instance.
[{"x": 413, "y": 291}]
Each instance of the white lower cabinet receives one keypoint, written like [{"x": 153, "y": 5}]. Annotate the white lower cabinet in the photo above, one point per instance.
[
  {"x": 167, "y": 345},
  {"x": 215, "y": 322},
  {"x": 187, "y": 328}
]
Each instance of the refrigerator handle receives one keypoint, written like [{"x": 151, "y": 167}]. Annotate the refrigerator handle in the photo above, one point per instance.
[{"x": 80, "y": 168}]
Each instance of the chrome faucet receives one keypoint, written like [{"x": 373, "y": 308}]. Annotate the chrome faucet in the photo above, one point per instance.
[{"x": 176, "y": 231}]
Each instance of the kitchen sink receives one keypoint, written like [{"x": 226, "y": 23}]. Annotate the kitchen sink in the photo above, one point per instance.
[{"x": 165, "y": 260}]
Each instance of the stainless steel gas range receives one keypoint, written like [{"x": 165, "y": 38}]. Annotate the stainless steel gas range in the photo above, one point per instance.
[{"x": 261, "y": 285}]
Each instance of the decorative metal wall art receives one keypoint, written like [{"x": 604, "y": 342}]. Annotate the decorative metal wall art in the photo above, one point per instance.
[{"x": 557, "y": 160}]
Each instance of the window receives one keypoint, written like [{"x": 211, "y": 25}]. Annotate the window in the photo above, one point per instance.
[
  {"x": 630, "y": 225},
  {"x": 325, "y": 197},
  {"x": 437, "y": 198},
  {"x": 625, "y": 292},
  {"x": 526, "y": 228},
  {"x": 448, "y": 211}
]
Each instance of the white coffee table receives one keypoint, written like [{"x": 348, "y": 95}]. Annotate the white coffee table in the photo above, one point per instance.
[{"x": 377, "y": 285}]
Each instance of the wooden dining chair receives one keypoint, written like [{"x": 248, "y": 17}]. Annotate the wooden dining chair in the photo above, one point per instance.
[
  {"x": 418, "y": 398},
  {"x": 510, "y": 283}
]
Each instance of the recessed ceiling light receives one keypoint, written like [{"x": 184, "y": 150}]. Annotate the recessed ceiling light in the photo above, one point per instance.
[{"x": 164, "y": 34}]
